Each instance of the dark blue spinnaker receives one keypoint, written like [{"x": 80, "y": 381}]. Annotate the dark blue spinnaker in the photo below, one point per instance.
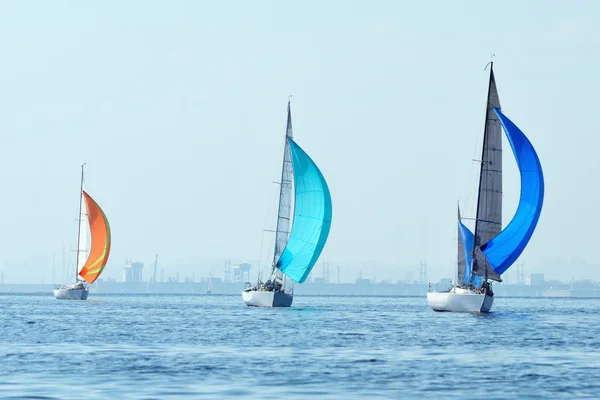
[{"x": 504, "y": 249}]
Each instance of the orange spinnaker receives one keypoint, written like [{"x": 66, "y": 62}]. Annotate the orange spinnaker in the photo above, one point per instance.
[{"x": 100, "y": 248}]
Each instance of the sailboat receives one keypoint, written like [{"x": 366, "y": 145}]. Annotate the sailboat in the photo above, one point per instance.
[
  {"x": 209, "y": 287},
  {"x": 483, "y": 256},
  {"x": 92, "y": 218},
  {"x": 153, "y": 279},
  {"x": 296, "y": 251}
]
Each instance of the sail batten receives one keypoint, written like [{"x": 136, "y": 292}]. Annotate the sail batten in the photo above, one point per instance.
[{"x": 312, "y": 217}]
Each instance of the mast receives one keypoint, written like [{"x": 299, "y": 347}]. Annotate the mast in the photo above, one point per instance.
[
  {"x": 487, "y": 104},
  {"x": 488, "y": 219},
  {"x": 65, "y": 269},
  {"x": 285, "y": 195},
  {"x": 79, "y": 224},
  {"x": 460, "y": 251},
  {"x": 155, "y": 265},
  {"x": 152, "y": 281}
]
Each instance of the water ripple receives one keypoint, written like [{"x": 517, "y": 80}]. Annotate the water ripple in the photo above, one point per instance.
[{"x": 170, "y": 347}]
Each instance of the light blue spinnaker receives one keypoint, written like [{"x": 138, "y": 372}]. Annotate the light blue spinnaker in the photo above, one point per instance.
[
  {"x": 312, "y": 217},
  {"x": 504, "y": 249}
]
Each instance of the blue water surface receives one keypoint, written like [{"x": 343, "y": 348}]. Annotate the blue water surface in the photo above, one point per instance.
[{"x": 213, "y": 346}]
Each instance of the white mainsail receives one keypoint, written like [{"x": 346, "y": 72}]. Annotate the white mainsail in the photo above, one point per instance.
[
  {"x": 285, "y": 199},
  {"x": 84, "y": 237},
  {"x": 460, "y": 256}
]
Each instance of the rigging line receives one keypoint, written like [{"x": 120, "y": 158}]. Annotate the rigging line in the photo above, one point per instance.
[
  {"x": 490, "y": 62},
  {"x": 274, "y": 231},
  {"x": 79, "y": 224},
  {"x": 468, "y": 203},
  {"x": 481, "y": 220},
  {"x": 476, "y": 146},
  {"x": 260, "y": 259}
]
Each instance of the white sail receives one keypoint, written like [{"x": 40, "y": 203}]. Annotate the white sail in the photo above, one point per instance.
[
  {"x": 285, "y": 198},
  {"x": 84, "y": 237},
  {"x": 460, "y": 256},
  {"x": 277, "y": 273}
]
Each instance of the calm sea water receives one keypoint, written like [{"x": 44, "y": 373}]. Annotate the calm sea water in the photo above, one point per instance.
[{"x": 176, "y": 346}]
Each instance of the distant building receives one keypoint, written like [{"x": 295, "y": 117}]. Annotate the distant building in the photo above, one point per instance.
[
  {"x": 362, "y": 281},
  {"x": 132, "y": 272},
  {"x": 536, "y": 279},
  {"x": 227, "y": 271},
  {"x": 241, "y": 273}
]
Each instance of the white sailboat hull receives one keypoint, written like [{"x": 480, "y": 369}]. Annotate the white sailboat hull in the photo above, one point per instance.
[
  {"x": 74, "y": 291},
  {"x": 71, "y": 294},
  {"x": 466, "y": 301},
  {"x": 260, "y": 298}
]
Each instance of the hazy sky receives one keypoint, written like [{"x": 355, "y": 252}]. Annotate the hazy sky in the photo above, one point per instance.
[{"x": 178, "y": 107}]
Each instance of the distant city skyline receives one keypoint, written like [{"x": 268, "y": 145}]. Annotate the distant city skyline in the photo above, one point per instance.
[{"x": 553, "y": 269}]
